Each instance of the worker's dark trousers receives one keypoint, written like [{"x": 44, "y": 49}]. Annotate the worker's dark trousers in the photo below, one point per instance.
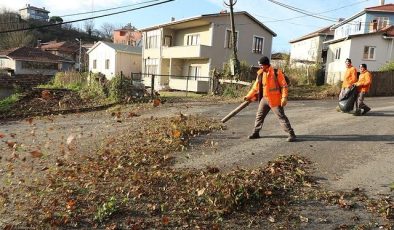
[
  {"x": 262, "y": 112},
  {"x": 360, "y": 102}
]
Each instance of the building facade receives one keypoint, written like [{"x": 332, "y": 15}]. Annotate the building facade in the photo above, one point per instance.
[{"x": 184, "y": 52}]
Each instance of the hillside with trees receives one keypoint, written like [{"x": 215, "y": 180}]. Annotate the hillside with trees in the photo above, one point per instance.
[{"x": 66, "y": 32}]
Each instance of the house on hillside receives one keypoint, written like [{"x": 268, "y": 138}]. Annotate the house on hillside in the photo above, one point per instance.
[
  {"x": 28, "y": 60},
  {"x": 182, "y": 53},
  {"x": 110, "y": 59},
  {"x": 66, "y": 49},
  {"x": 279, "y": 60},
  {"x": 310, "y": 49},
  {"x": 128, "y": 35},
  {"x": 366, "y": 37},
  {"x": 32, "y": 12}
]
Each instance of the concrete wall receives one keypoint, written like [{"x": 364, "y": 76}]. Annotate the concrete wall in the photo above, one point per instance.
[
  {"x": 101, "y": 53},
  {"x": 128, "y": 63}
]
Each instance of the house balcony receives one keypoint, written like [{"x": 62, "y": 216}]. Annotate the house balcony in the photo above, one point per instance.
[{"x": 186, "y": 51}]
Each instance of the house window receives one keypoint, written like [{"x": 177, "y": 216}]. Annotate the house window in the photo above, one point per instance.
[
  {"x": 194, "y": 71},
  {"x": 151, "y": 66},
  {"x": 369, "y": 53},
  {"x": 39, "y": 65},
  {"x": 229, "y": 39},
  {"x": 337, "y": 53},
  {"x": 379, "y": 23},
  {"x": 106, "y": 63},
  {"x": 258, "y": 43},
  {"x": 193, "y": 39},
  {"x": 94, "y": 64},
  {"x": 152, "y": 39},
  {"x": 167, "y": 40}
]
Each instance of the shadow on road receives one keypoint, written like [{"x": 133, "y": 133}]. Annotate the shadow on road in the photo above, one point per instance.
[
  {"x": 380, "y": 114},
  {"x": 380, "y": 138}
]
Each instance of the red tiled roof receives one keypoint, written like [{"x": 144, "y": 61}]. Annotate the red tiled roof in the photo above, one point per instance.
[
  {"x": 389, "y": 31},
  {"x": 32, "y": 54},
  {"x": 385, "y": 8},
  {"x": 65, "y": 46}
]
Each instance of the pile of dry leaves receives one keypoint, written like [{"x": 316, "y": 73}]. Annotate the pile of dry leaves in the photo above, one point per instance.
[
  {"x": 47, "y": 101},
  {"x": 130, "y": 184}
]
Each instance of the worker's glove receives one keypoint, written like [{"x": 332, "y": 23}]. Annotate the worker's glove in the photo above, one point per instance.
[{"x": 283, "y": 102}]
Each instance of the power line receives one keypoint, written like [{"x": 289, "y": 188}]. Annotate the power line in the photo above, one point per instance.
[
  {"x": 91, "y": 12},
  {"x": 108, "y": 9},
  {"x": 84, "y": 19},
  {"x": 342, "y": 7},
  {"x": 302, "y": 11}
]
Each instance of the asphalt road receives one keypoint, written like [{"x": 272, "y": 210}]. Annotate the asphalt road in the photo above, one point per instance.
[{"x": 349, "y": 151}]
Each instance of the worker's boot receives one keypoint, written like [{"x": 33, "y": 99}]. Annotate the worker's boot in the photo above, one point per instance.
[
  {"x": 292, "y": 137},
  {"x": 254, "y": 136},
  {"x": 357, "y": 112},
  {"x": 366, "y": 110}
]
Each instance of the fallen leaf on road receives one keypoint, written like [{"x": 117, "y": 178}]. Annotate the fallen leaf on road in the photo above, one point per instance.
[
  {"x": 70, "y": 139},
  {"x": 36, "y": 154},
  {"x": 2, "y": 135}
]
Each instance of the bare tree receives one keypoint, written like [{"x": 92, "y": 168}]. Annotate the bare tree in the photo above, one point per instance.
[
  {"x": 106, "y": 30},
  {"x": 89, "y": 27}
]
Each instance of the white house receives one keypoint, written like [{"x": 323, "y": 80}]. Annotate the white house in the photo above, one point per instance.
[
  {"x": 182, "y": 53},
  {"x": 310, "y": 49},
  {"x": 110, "y": 59},
  {"x": 31, "y": 12},
  {"x": 366, "y": 37},
  {"x": 28, "y": 60}
]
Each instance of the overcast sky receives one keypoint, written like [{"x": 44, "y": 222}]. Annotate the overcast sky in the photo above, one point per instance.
[{"x": 286, "y": 23}]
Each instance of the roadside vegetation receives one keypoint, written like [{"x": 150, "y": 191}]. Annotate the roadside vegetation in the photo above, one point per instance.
[{"x": 6, "y": 103}]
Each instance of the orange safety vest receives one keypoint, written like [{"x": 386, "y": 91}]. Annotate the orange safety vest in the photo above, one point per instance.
[
  {"x": 274, "y": 88},
  {"x": 364, "y": 82},
  {"x": 350, "y": 77}
]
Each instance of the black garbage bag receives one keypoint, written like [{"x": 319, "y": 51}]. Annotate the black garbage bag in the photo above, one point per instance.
[{"x": 346, "y": 104}]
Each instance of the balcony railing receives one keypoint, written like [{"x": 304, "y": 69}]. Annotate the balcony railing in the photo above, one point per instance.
[{"x": 186, "y": 51}]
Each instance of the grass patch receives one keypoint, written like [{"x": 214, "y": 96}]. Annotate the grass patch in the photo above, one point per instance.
[{"x": 6, "y": 103}]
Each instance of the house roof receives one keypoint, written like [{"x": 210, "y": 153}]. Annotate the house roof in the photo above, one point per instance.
[
  {"x": 35, "y": 8},
  {"x": 64, "y": 46},
  {"x": 382, "y": 8},
  {"x": 278, "y": 56},
  {"x": 118, "y": 47},
  {"x": 32, "y": 54},
  {"x": 321, "y": 32},
  {"x": 206, "y": 16},
  {"x": 386, "y": 31}
]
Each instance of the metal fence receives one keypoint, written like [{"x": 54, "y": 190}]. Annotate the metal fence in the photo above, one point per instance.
[{"x": 196, "y": 84}]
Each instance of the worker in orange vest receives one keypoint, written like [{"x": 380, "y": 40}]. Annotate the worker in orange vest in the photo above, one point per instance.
[
  {"x": 271, "y": 91},
  {"x": 349, "y": 79},
  {"x": 363, "y": 84}
]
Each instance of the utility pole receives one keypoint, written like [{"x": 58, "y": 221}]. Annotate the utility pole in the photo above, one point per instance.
[
  {"x": 235, "y": 61},
  {"x": 80, "y": 53}
]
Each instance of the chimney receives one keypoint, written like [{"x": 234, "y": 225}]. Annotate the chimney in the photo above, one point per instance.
[
  {"x": 381, "y": 2},
  {"x": 172, "y": 19}
]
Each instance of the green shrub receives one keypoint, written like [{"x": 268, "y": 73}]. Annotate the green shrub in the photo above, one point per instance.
[
  {"x": 234, "y": 90},
  {"x": 387, "y": 67},
  {"x": 6, "y": 103}
]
